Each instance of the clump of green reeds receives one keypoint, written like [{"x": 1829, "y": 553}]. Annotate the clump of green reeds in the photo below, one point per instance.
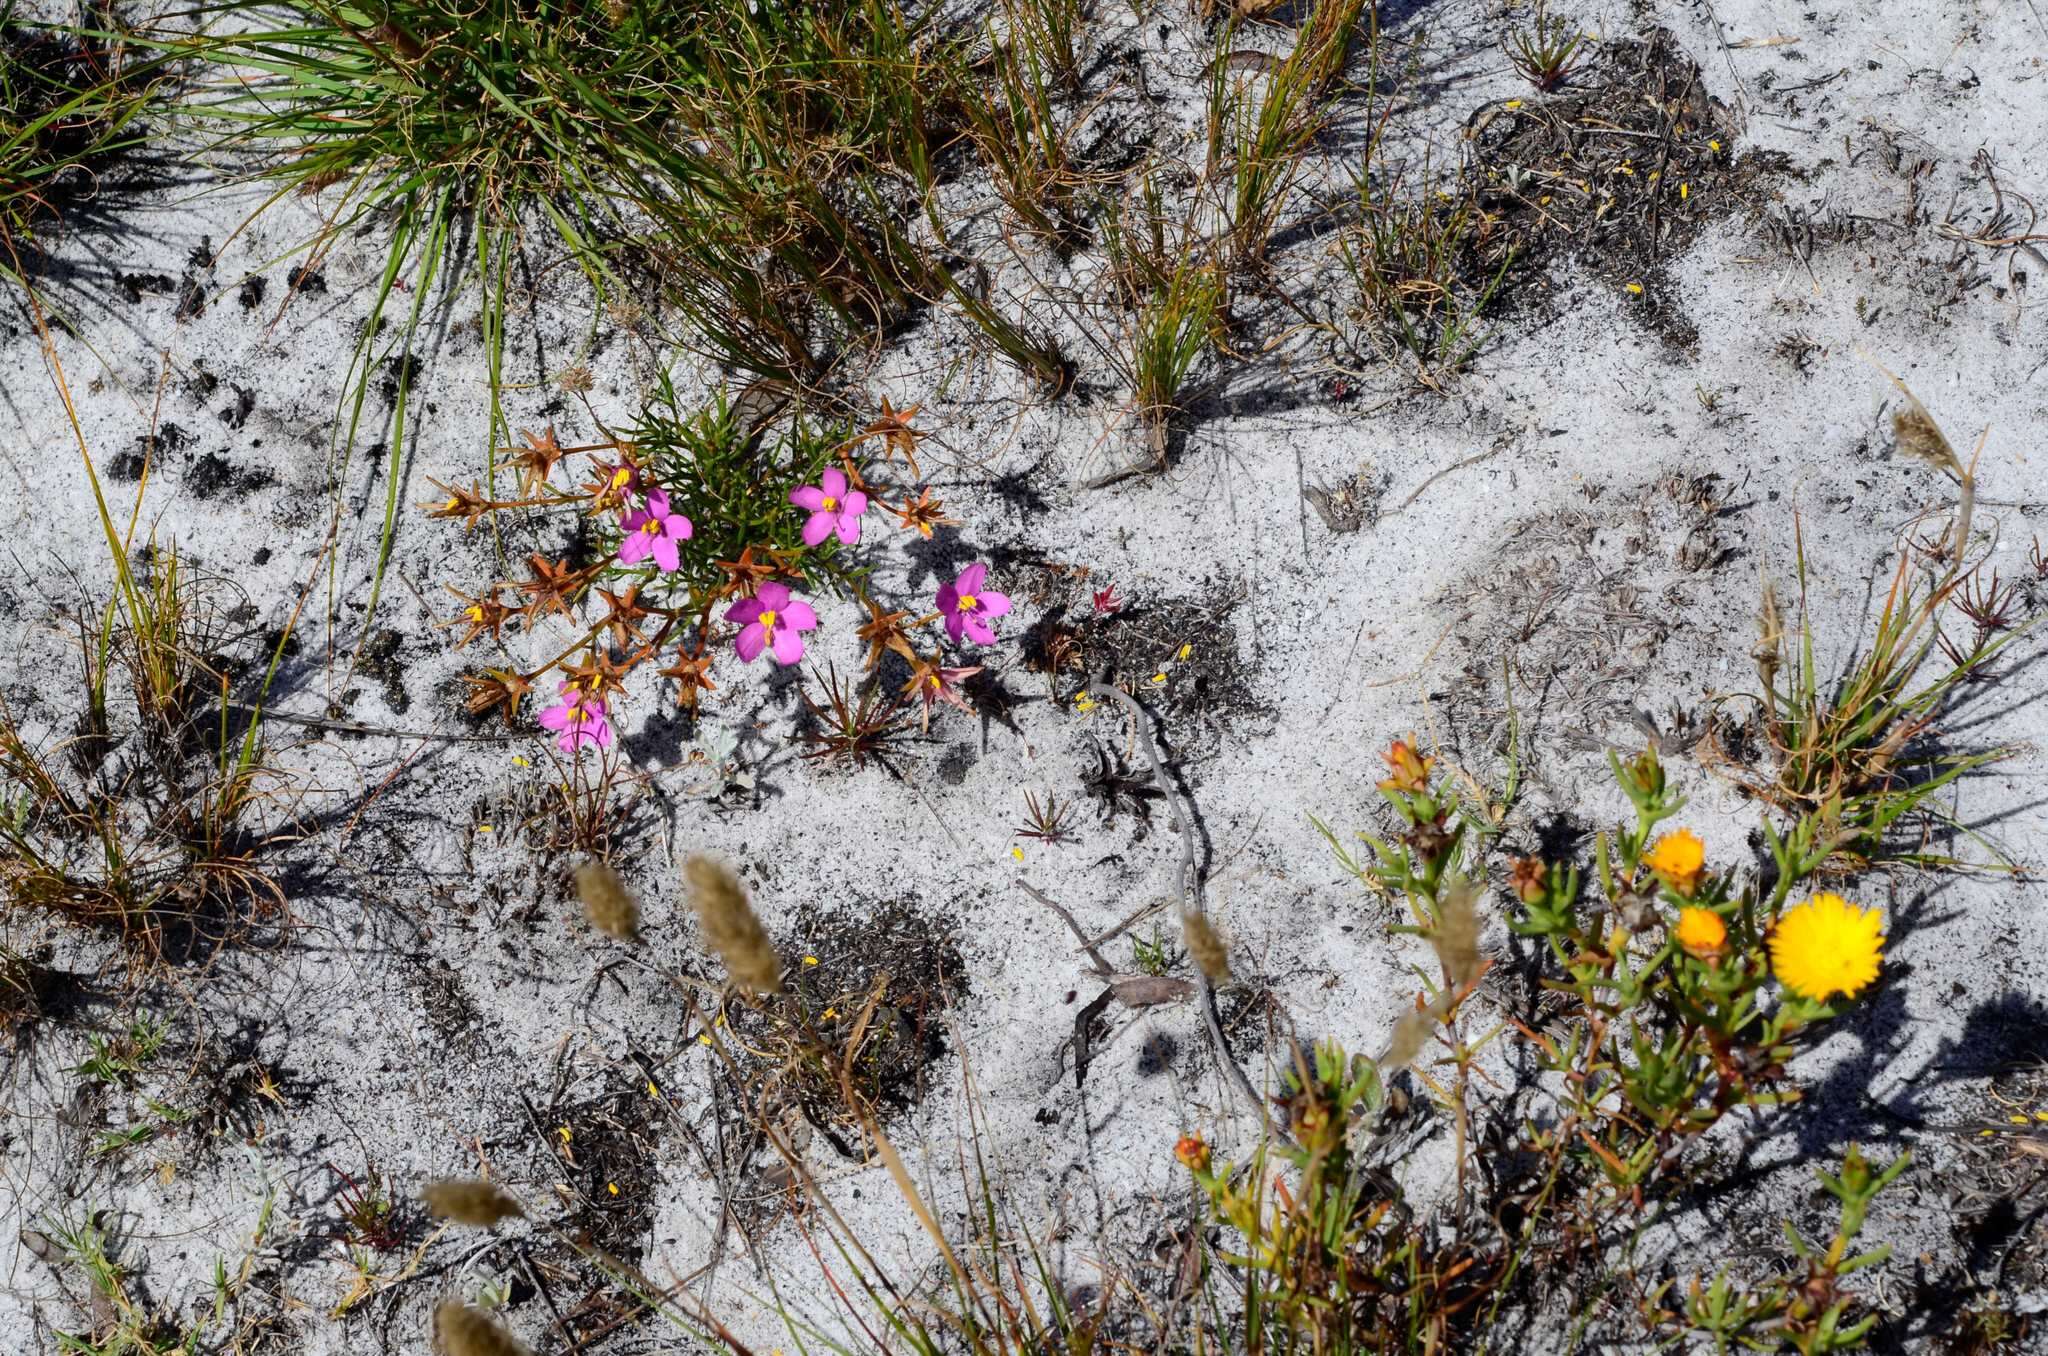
[
  {"x": 70, "y": 101},
  {"x": 1261, "y": 128}
]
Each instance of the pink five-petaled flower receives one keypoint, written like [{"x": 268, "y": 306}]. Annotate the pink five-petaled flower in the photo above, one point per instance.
[
  {"x": 654, "y": 531},
  {"x": 772, "y": 620},
  {"x": 834, "y": 508},
  {"x": 581, "y": 718},
  {"x": 967, "y": 608}
]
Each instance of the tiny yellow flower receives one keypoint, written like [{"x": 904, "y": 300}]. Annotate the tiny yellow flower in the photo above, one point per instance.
[
  {"x": 486, "y": 828},
  {"x": 612, "y": 1187},
  {"x": 563, "y": 1131},
  {"x": 1684, "y": 192},
  {"x": 703, "y": 1038},
  {"x": 1158, "y": 677},
  {"x": 1635, "y": 289},
  {"x": 1017, "y": 853},
  {"x": 1827, "y": 946},
  {"x": 1185, "y": 651},
  {"x": 1513, "y": 104},
  {"x": 810, "y": 960},
  {"x": 1701, "y": 932},
  {"x": 521, "y": 760},
  {"x": 1713, "y": 145},
  {"x": 1678, "y": 858},
  {"x": 653, "y": 1091}
]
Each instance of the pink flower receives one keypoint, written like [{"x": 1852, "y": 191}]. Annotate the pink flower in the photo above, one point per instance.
[
  {"x": 772, "y": 621},
  {"x": 967, "y": 608},
  {"x": 654, "y": 531},
  {"x": 833, "y": 508},
  {"x": 581, "y": 718}
]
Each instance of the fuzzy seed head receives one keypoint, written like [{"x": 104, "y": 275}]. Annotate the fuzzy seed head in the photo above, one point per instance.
[
  {"x": 474, "y": 1204},
  {"x": 468, "y": 1331},
  {"x": 1456, "y": 934},
  {"x": 1409, "y": 1034},
  {"x": 607, "y": 903},
  {"x": 1920, "y": 438},
  {"x": 730, "y": 927},
  {"x": 1205, "y": 944}
]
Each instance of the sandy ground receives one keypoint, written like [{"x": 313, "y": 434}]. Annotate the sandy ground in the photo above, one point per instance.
[{"x": 1594, "y": 504}]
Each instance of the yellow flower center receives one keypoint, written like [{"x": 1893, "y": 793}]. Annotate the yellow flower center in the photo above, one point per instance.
[
  {"x": 968, "y": 602},
  {"x": 474, "y": 612},
  {"x": 454, "y": 502},
  {"x": 621, "y": 476},
  {"x": 767, "y": 619},
  {"x": 829, "y": 504},
  {"x": 652, "y": 527}
]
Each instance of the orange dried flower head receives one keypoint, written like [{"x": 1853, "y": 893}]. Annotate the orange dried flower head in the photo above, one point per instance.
[
  {"x": 552, "y": 585},
  {"x": 469, "y": 505},
  {"x": 1410, "y": 770},
  {"x": 885, "y": 631},
  {"x": 692, "y": 673},
  {"x": 924, "y": 514},
  {"x": 536, "y": 461},
  {"x": 892, "y": 426},
  {"x": 1701, "y": 932},
  {"x": 623, "y": 615},
  {"x": 480, "y": 614},
  {"x": 493, "y": 689},
  {"x": 1192, "y": 1151},
  {"x": 1526, "y": 876},
  {"x": 747, "y": 574},
  {"x": 598, "y": 674}
]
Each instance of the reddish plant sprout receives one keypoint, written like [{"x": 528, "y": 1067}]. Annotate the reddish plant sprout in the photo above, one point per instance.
[
  {"x": 835, "y": 508},
  {"x": 580, "y": 718},
  {"x": 654, "y": 531},
  {"x": 898, "y": 437},
  {"x": 1106, "y": 601},
  {"x": 772, "y": 620},
  {"x": 968, "y": 608}
]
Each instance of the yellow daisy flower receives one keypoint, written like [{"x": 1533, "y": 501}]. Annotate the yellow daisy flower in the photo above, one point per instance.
[
  {"x": 1827, "y": 946},
  {"x": 1701, "y": 932},
  {"x": 1679, "y": 858}
]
